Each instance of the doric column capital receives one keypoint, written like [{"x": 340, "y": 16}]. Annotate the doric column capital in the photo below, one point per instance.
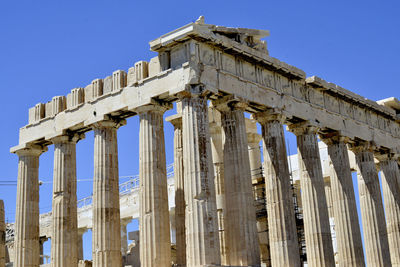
[
  {"x": 125, "y": 221},
  {"x": 229, "y": 103},
  {"x": 31, "y": 150},
  {"x": 270, "y": 115},
  {"x": 386, "y": 155},
  {"x": 361, "y": 146},
  {"x": 175, "y": 120},
  {"x": 81, "y": 231},
  {"x": 154, "y": 106},
  {"x": 193, "y": 91},
  {"x": 333, "y": 137},
  {"x": 304, "y": 127},
  {"x": 109, "y": 123},
  {"x": 67, "y": 138}
]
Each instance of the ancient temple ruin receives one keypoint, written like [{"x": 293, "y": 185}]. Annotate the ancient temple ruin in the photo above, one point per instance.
[{"x": 213, "y": 75}]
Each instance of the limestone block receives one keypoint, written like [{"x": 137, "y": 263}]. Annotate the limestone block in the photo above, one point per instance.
[
  {"x": 249, "y": 71},
  {"x": 165, "y": 60},
  {"x": 154, "y": 66},
  {"x": 316, "y": 97},
  {"x": 207, "y": 55},
  {"x": 31, "y": 115},
  {"x": 345, "y": 109},
  {"x": 268, "y": 78},
  {"x": 118, "y": 80},
  {"x": 37, "y": 112},
  {"x": 331, "y": 103},
  {"x": 299, "y": 90},
  {"x": 141, "y": 70},
  {"x": 88, "y": 93},
  {"x": 131, "y": 77},
  {"x": 282, "y": 84},
  {"x": 137, "y": 73},
  {"x": 58, "y": 104},
  {"x": 97, "y": 88},
  {"x": 359, "y": 113},
  {"x": 179, "y": 55},
  {"x": 228, "y": 63},
  {"x": 76, "y": 97},
  {"x": 107, "y": 85},
  {"x": 48, "y": 110}
]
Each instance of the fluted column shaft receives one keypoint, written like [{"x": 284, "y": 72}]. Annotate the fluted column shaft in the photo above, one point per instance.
[
  {"x": 315, "y": 210},
  {"x": 2, "y": 235},
  {"x": 80, "y": 244},
  {"x": 106, "y": 244},
  {"x": 348, "y": 235},
  {"x": 240, "y": 218},
  {"x": 283, "y": 238},
  {"x": 391, "y": 197},
  {"x": 41, "y": 250},
  {"x": 258, "y": 183},
  {"x": 154, "y": 227},
  {"x": 26, "y": 244},
  {"x": 202, "y": 242},
  {"x": 176, "y": 120},
  {"x": 372, "y": 213},
  {"x": 64, "y": 250},
  {"x": 218, "y": 162},
  {"x": 124, "y": 236}
]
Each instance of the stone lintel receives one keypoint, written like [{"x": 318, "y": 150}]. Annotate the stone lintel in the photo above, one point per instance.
[{"x": 175, "y": 120}]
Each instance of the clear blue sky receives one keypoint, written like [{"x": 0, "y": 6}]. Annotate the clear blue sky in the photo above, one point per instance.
[{"x": 50, "y": 47}]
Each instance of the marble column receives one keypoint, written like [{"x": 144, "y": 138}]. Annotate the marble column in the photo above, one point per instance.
[
  {"x": 155, "y": 240},
  {"x": 106, "y": 242},
  {"x": 202, "y": 242},
  {"x": 328, "y": 194},
  {"x": 283, "y": 238},
  {"x": 64, "y": 250},
  {"x": 26, "y": 240},
  {"x": 176, "y": 121},
  {"x": 124, "y": 236},
  {"x": 81, "y": 232},
  {"x": 2, "y": 235},
  {"x": 258, "y": 181},
  {"x": 372, "y": 213},
  {"x": 253, "y": 142},
  {"x": 391, "y": 196},
  {"x": 240, "y": 217},
  {"x": 42, "y": 240},
  {"x": 218, "y": 162},
  {"x": 315, "y": 211},
  {"x": 343, "y": 202}
]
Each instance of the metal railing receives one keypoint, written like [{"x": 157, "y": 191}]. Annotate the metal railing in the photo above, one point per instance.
[{"x": 125, "y": 187}]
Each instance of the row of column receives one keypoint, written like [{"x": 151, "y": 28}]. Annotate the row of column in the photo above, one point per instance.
[{"x": 203, "y": 206}]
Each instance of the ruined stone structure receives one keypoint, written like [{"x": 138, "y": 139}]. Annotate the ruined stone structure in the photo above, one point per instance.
[{"x": 215, "y": 217}]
